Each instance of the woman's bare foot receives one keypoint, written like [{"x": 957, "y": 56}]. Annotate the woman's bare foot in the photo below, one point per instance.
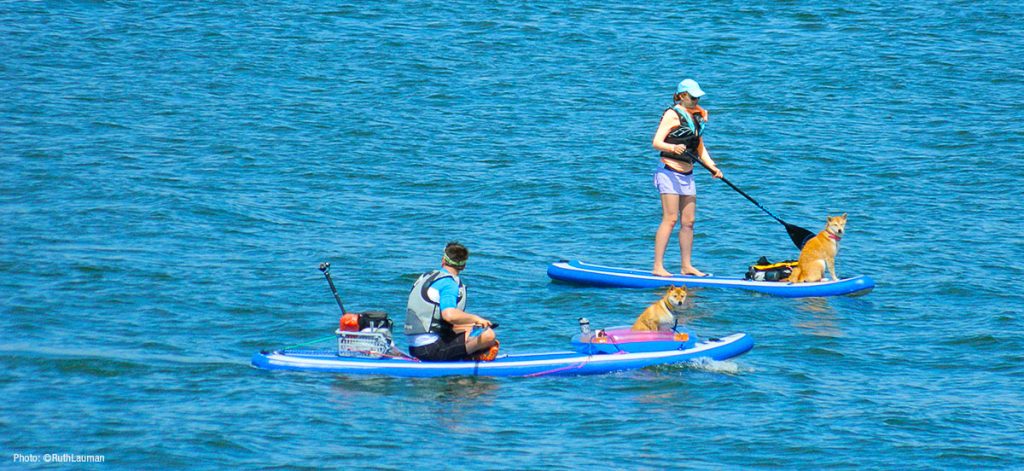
[
  {"x": 693, "y": 271},
  {"x": 661, "y": 271}
]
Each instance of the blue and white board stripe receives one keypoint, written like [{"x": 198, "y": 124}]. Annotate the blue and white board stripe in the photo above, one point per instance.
[
  {"x": 538, "y": 364},
  {"x": 583, "y": 273}
]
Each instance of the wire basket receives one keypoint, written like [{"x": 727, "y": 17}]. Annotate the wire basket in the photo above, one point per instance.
[{"x": 363, "y": 344}]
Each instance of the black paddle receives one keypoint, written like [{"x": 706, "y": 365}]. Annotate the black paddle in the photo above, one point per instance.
[{"x": 797, "y": 234}]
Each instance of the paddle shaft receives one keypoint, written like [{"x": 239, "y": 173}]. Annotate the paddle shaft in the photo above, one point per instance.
[
  {"x": 326, "y": 268},
  {"x": 738, "y": 190},
  {"x": 797, "y": 234},
  {"x": 697, "y": 159}
]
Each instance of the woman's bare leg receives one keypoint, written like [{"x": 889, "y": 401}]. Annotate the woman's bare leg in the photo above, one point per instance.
[
  {"x": 689, "y": 214},
  {"x": 669, "y": 216}
]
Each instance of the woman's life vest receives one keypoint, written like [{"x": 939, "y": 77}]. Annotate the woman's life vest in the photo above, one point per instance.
[
  {"x": 423, "y": 312},
  {"x": 689, "y": 132}
]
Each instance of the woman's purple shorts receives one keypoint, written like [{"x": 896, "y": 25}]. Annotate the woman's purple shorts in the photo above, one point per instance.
[{"x": 671, "y": 182}]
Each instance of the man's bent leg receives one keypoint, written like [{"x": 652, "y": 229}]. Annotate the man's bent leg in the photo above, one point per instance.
[{"x": 485, "y": 340}]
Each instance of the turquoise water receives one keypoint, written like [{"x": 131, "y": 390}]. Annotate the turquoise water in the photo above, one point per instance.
[{"x": 173, "y": 176}]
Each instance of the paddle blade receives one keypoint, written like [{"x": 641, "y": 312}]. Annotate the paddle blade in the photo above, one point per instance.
[{"x": 798, "y": 235}]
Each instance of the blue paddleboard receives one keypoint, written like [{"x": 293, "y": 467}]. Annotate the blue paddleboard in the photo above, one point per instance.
[
  {"x": 582, "y": 273},
  {"x": 593, "y": 356}
]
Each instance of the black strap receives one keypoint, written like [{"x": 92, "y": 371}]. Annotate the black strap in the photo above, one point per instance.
[
  {"x": 430, "y": 281},
  {"x": 426, "y": 286}
]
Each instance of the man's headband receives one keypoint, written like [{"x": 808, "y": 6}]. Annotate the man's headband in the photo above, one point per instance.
[{"x": 453, "y": 263}]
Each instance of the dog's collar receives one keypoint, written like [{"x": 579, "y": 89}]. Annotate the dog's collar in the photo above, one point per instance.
[
  {"x": 832, "y": 236},
  {"x": 668, "y": 305}
]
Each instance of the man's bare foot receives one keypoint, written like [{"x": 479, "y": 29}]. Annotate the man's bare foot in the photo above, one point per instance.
[
  {"x": 660, "y": 271},
  {"x": 693, "y": 271}
]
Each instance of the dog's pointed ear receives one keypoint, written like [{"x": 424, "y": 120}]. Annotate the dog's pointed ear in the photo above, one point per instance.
[{"x": 843, "y": 216}]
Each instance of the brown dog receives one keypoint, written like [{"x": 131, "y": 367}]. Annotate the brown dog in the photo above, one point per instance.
[
  {"x": 820, "y": 252},
  {"x": 660, "y": 315}
]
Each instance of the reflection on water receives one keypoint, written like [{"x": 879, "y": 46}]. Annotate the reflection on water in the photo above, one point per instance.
[
  {"x": 449, "y": 399},
  {"x": 824, "y": 313},
  {"x": 822, "y": 321},
  {"x": 450, "y": 390},
  {"x": 462, "y": 390},
  {"x": 348, "y": 391},
  {"x": 693, "y": 312},
  {"x": 444, "y": 401}
]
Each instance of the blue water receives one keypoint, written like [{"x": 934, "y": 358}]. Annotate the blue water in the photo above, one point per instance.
[{"x": 173, "y": 175}]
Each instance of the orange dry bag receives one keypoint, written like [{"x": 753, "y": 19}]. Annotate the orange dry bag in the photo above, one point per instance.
[{"x": 349, "y": 323}]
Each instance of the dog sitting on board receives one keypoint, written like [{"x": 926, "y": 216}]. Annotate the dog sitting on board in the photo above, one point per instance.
[
  {"x": 820, "y": 252},
  {"x": 661, "y": 314}
]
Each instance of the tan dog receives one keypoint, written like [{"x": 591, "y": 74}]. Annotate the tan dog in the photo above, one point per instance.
[
  {"x": 660, "y": 315},
  {"x": 820, "y": 252}
]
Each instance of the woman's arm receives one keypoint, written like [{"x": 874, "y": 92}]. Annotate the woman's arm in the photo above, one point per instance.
[
  {"x": 705, "y": 157},
  {"x": 669, "y": 121}
]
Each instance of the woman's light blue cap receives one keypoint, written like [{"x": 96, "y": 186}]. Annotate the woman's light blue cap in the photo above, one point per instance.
[{"x": 690, "y": 87}]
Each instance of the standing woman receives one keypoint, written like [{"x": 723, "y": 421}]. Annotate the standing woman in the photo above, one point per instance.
[{"x": 680, "y": 142}]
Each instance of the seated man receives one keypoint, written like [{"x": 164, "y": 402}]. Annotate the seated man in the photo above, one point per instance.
[{"x": 436, "y": 323}]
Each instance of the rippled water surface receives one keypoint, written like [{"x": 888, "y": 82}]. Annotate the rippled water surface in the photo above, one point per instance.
[{"x": 174, "y": 174}]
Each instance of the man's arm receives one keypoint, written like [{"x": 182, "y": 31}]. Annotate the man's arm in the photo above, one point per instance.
[{"x": 448, "y": 299}]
